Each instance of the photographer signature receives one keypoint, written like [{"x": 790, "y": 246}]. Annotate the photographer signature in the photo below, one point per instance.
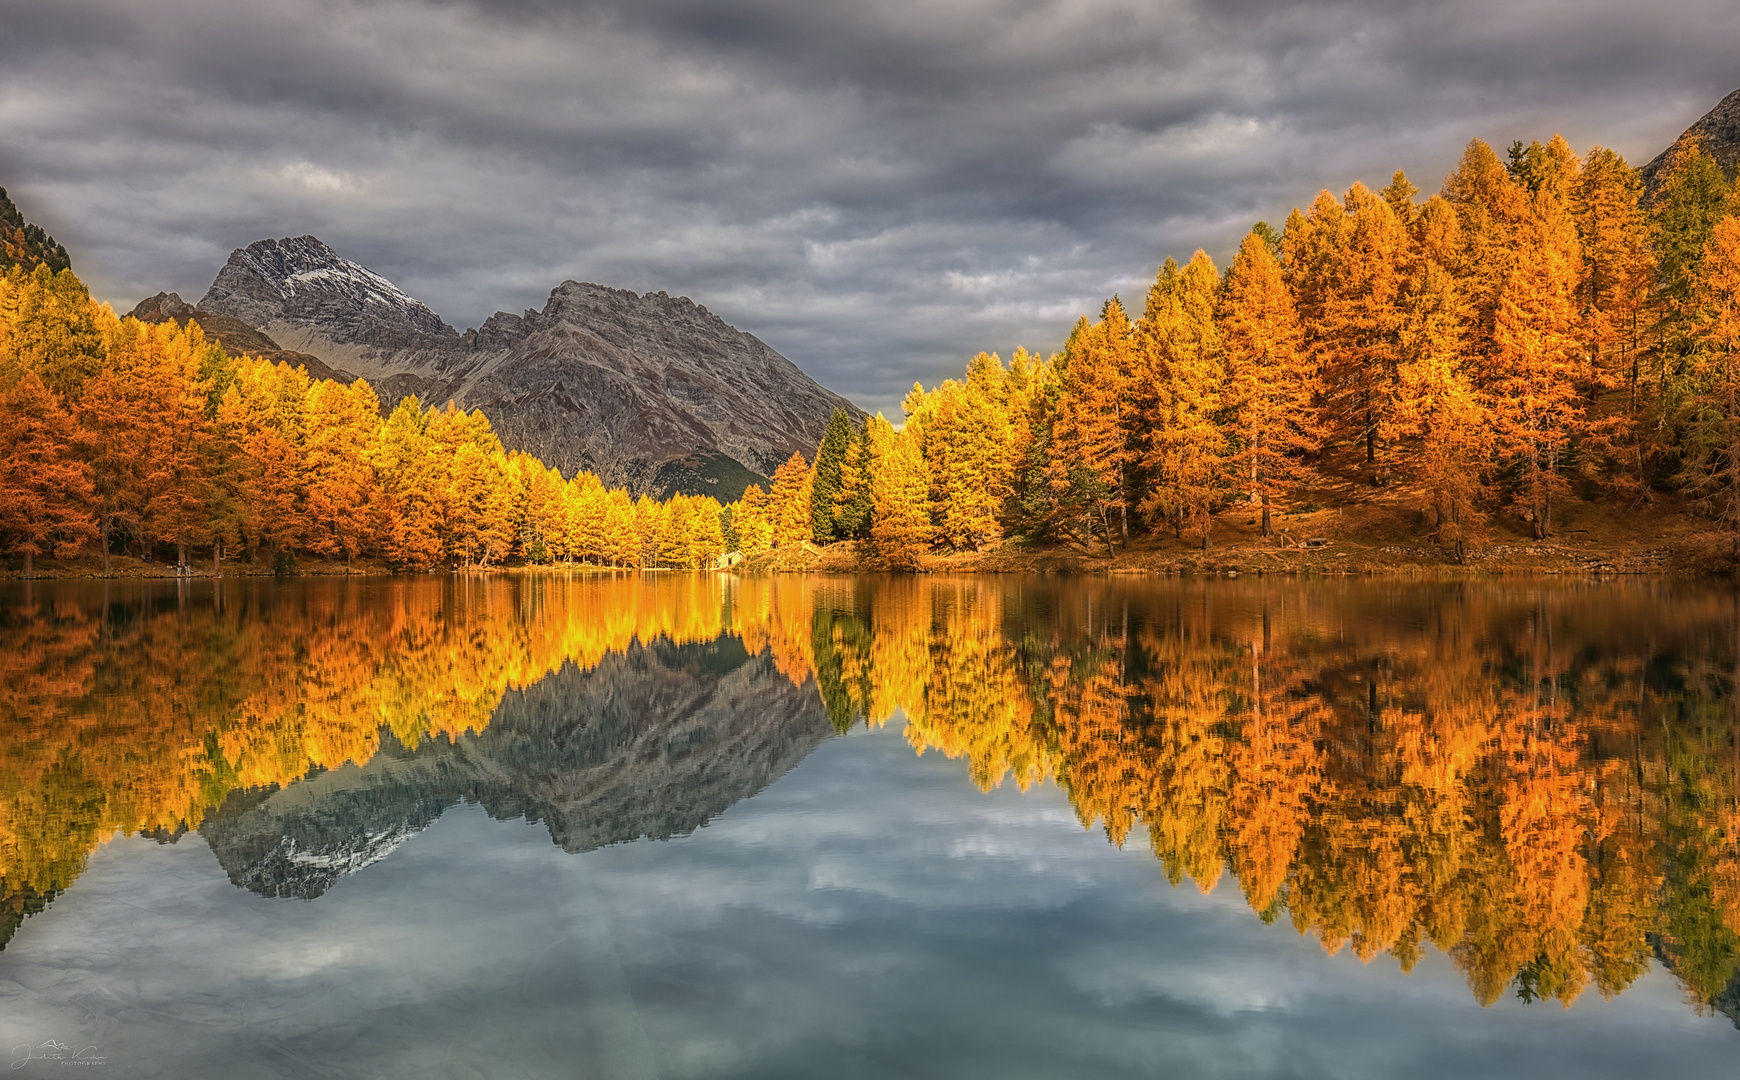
[{"x": 55, "y": 1050}]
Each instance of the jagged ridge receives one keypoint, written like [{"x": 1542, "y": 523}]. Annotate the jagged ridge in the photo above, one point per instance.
[{"x": 603, "y": 379}]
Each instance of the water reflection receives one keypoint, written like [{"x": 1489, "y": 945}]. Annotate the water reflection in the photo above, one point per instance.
[{"x": 1539, "y": 781}]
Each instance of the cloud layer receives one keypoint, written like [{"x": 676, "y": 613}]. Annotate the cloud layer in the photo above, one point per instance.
[{"x": 878, "y": 190}]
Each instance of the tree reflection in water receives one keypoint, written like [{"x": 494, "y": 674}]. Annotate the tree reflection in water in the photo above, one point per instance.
[{"x": 1540, "y": 780}]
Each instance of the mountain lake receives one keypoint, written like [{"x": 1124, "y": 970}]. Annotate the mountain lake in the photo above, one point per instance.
[{"x": 707, "y": 826}]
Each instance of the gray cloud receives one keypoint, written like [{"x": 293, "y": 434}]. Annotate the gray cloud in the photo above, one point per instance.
[{"x": 878, "y": 190}]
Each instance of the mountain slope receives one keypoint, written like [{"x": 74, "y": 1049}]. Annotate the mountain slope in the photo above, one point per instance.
[
  {"x": 603, "y": 379},
  {"x": 236, "y": 336},
  {"x": 24, "y": 244},
  {"x": 1720, "y": 130}
]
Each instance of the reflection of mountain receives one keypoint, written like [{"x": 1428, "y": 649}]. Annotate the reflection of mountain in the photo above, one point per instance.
[{"x": 652, "y": 742}]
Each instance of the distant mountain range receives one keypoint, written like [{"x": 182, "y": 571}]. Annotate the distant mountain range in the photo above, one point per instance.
[{"x": 651, "y": 392}]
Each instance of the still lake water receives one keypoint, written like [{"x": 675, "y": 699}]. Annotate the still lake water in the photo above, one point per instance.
[{"x": 686, "y": 826}]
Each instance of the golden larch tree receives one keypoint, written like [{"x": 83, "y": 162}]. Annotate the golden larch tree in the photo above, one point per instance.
[
  {"x": 1183, "y": 450},
  {"x": 1269, "y": 387},
  {"x": 45, "y": 490},
  {"x": 1091, "y": 451}
]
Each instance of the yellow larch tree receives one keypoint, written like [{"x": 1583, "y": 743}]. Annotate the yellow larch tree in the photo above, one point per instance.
[
  {"x": 183, "y": 447},
  {"x": 899, "y": 487},
  {"x": 340, "y": 508},
  {"x": 264, "y": 418},
  {"x": 1613, "y": 303},
  {"x": 1437, "y": 406},
  {"x": 754, "y": 522},
  {"x": 1183, "y": 450},
  {"x": 1361, "y": 318},
  {"x": 790, "y": 505},
  {"x": 45, "y": 490},
  {"x": 1536, "y": 368},
  {"x": 405, "y": 462},
  {"x": 1269, "y": 386},
  {"x": 1091, "y": 450}
]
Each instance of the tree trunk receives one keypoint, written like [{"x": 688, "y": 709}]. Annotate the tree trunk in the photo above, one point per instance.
[
  {"x": 1266, "y": 530},
  {"x": 29, "y": 566},
  {"x": 181, "y": 558},
  {"x": 1106, "y": 525},
  {"x": 1206, "y": 525},
  {"x": 217, "y": 558},
  {"x": 103, "y": 537}
]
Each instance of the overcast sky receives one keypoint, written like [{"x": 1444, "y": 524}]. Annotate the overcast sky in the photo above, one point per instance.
[{"x": 877, "y": 189}]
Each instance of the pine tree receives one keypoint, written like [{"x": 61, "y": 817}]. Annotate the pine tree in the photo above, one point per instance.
[
  {"x": 830, "y": 459},
  {"x": 852, "y": 503},
  {"x": 45, "y": 490},
  {"x": 1710, "y": 414},
  {"x": 1694, "y": 195}
]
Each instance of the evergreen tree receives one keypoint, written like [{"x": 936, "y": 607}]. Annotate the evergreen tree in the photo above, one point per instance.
[
  {"x": 853, "y": 503},
  {"x": 830, "y": 459},
  {"x": 1710, "y": 413},
  {"x": 1694, "y": 195}
]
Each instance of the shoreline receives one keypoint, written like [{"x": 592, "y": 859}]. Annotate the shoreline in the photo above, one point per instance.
[{"x": 1669, "y": 554}]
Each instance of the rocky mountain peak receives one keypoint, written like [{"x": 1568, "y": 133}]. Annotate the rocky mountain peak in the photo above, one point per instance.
[
  {"x": 1720, "y": 131},
  {"x": 303, "y": 281}
]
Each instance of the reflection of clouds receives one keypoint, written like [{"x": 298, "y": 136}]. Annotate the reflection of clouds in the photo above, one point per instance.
[{"x": 870, "y": 914}]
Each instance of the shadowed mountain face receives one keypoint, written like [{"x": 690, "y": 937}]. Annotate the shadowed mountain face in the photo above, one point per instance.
[
  {"x": 653, "y": 742},
  {"x": 601, "y": 379},
  {"x": 1720, "y": 130},
  {"x": 236, "y": 336}
]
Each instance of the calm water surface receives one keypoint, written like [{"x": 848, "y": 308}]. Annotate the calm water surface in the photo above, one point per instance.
[{"x": 869, "y": 827}]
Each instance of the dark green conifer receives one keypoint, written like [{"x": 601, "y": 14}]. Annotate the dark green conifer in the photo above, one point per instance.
[{"x": 829, "y": 457}]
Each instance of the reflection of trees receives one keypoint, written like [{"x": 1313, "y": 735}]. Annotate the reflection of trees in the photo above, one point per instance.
[
  {"x": 1545, "y": 785},
  {"x": 1501, "y": 773},
  {"x": 140, "y": 711}
]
